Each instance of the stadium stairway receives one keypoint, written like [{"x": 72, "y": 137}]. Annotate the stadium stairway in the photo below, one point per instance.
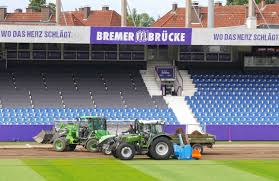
[
  {"x": 181, "y": 109},
  {"x": 189, "y": 88},
  {"x": 149, "y": 78},
  {"x": 183, "y": 112}
]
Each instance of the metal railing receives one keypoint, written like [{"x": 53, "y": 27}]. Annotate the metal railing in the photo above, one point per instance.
[{"x": 179, "y": 82}]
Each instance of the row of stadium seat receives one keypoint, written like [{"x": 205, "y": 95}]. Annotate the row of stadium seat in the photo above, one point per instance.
[
  {"x": 240, "y": 85},
  {"x": 234, "y": 75},
  {"x": 49, "y": 115},
  {"x": 237, "y": 93},
  {"x": 235, "y": 99},
  {"x": 239, "y": 89},
  {"x": 246, "y": 81}
]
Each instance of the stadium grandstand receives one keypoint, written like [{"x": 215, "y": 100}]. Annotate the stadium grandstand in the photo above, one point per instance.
[{"x": 211, "y": 69}]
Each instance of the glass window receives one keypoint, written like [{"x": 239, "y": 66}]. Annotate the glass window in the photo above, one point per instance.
[
  {"x": 131, "y": 48},
  {"x": 39, "y": 46},
  {"x": 104, "y": 47},
  {"x": 54, "y": 55},
  {"x": 24, "y": 54},
  {"x": 39, "y": 55},
  {"x": 11, "y": 46},
  {"x": 24, "y": 46},
  {"x": 54, "y": 46},
  {"x": 185, "y": 48}
]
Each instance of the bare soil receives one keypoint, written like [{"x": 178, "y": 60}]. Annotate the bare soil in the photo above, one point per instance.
[{"x": 219, "y": 152}]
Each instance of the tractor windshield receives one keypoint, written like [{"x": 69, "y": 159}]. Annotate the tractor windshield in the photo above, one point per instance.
[
  {"x": 151, "y": 128},
  {"x": 94, "y": 123},
  {"x": 99, "y": 123},
  {"x": 157, "y": 128}
]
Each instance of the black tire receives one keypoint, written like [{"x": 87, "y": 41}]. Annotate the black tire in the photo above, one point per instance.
[
  {"x": 149, "y": 155},
  {"x": 125, "y": 151},
  {"x": 60, "y": 144},
  {"x": 198, "y": 147},
  {"x": 161, "y": 148},
  {"x": 113, "y": 152},
  {"x": 91, "y": 145},
  {"x": 71, "y": 147}
]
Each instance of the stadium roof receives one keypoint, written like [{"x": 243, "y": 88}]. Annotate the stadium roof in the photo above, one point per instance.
[
  {"x": 225, "y": 16},
  {"x": 104, "y": 17}
]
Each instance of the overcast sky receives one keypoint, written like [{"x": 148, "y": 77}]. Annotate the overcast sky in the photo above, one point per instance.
[{"x": 153, "y": 7}]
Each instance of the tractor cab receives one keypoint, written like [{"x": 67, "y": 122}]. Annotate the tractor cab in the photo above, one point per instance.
[
  {"x": 150, "y": 127},
  {"x": 90, "y": 125}
]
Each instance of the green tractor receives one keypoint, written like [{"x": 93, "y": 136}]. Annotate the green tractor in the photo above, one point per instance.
[
  {"x": 147, "y": 137},
  {"x": 66, "y": 135}
]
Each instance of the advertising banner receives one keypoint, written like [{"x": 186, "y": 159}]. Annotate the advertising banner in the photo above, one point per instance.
[
  {"x": 44, "y": 34},
  {"x": 142, "y": 36},
  {"x": 166, "y": 72},
  {"x": 235, "y": 37}
]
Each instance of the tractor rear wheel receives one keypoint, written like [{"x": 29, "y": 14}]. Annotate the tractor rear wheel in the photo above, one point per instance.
[
  {"x": 91, "y": 145},
  {"x": 149, "y": 155},
  {"x": 113, "y": 152},
  {"x": 71, "y": 147},
  {"x": 198, "y": 147},
  {"x": 161, "y": 149},
  {"x": 60, "y": 144},
  {"x": 125, "y": 151}
]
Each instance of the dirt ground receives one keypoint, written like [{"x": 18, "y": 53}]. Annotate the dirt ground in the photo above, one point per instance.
[{"x": 219, "y": 152}]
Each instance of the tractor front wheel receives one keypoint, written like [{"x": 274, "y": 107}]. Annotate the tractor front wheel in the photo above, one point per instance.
[
  {"x": 161, "y": 149},
  {"x": 60, "y": 144},
  {"x": 91, "y": 145},
  {"x": 125, "y": 151}
]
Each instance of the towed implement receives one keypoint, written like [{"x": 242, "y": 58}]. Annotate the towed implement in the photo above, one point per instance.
[{"x": 66, "y": 135}]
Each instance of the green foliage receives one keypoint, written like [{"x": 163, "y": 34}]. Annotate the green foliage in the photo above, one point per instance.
[
  {"x": 52, "y": 7},
  {"x": 37, "y": 4},
  {"x": 140, "y": 20},
  {"x": 242, "y": 2}
]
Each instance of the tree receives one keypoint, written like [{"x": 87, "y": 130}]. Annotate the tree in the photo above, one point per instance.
[
  {"x": 37, "y": 4},
  {"x": 52, "y": 7},
  {"x": 242, "y": 2},
  {"x": 140, "y": 20}
]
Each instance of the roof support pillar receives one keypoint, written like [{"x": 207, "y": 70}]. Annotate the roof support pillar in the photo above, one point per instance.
[
  {"x": 123, "y": 13},
  {"x": 188, "y": 13},
  {"x": 251, "y": 20},
  {"x": 58, "y": 12},
  {"x": 210, "y": 15}
]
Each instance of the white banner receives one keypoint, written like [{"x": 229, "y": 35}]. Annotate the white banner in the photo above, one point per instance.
[
  {"x": 81, "y": 35},
  {"x": 235, "y": 37},
  {"x": 44, "y": 34}
]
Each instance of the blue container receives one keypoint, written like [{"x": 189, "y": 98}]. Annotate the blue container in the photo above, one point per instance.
[{"x": 182, "y": 152}]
